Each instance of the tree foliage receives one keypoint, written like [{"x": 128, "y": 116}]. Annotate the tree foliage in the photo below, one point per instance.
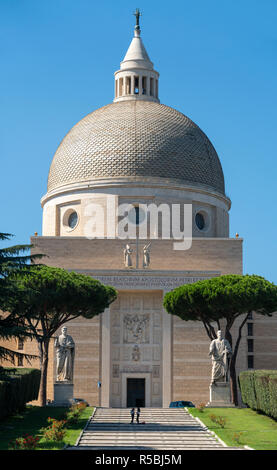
[
  {"x": 12, "y": 259},
  {"x": 227, "y": 298},
  {"x": 52, "y": 295},
  {"x": 48, "y": 297}
]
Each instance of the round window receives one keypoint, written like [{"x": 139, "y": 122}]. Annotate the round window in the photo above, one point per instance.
[
  {"x": 136, "y": 215},
  {"x": 200, "y": 221},
  {"x": 72, "y": 220}
]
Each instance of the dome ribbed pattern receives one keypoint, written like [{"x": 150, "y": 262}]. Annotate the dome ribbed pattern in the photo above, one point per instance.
[{"x": 136, "y": 139}]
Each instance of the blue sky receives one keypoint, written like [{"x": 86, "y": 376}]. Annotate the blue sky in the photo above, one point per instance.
[{"x": 217, "y": 64}]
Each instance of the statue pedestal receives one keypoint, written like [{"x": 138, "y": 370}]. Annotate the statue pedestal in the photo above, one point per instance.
[
  {"x": 220, "y": 395},
  {"x": 63, "y": 393}
]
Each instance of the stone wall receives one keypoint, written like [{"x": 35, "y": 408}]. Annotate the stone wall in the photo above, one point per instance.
[{"x": 209, "y": 254}]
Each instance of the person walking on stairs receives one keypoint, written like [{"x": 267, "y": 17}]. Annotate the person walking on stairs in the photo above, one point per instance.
[
  {"x": 138, "y": 414},
  {"x": 132, "y": 415}
]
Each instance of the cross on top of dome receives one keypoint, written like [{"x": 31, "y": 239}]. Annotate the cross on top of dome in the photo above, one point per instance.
[
  {"x": 137, "y": 14},
  {"x": 136, "y": 79}
]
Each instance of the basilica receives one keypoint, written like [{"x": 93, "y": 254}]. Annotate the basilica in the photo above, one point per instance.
[{"x": 134, "y": 153}]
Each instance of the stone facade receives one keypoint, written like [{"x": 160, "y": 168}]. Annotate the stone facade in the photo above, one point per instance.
[{"x": 135, "y": 337}]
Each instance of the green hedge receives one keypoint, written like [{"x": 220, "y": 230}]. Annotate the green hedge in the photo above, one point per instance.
[
  {"x": 17, "y": 387},
  {"x": 259, "y": 390},
  {"x": 247, "y": 389},
  {"x": 273, "y": 394}
]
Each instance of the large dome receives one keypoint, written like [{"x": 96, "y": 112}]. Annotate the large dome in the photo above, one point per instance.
[{"x": 141, "y": 139}]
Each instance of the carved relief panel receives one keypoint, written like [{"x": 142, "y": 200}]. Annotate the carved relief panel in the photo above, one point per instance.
[{"x": 136, "y": 328}]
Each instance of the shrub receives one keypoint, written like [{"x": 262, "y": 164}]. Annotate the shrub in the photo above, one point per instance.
[
  {"x": 55, "y": 431},
  {"x": 247, "y": 389},
  {"x": 3, "y": 394},
  {"x": 261, "y": 382},
  {"x": 200, "y": 407},
  {"x": 213, "y": 418},
  {"x": 259, "y": 390},
  {"x": 273, "y": 395},
  {"x": 25, "y": 443},
  {"x": 74, "y": 411},
  {"x": 237, "y": 437},
  {"x": 17, "y": 387},
  {"x": 220, "y": 420},
  {"x": 57, "y": 428}
]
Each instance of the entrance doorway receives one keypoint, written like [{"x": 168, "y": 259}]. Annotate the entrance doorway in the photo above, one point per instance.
[{"x": 135, "y": 392}]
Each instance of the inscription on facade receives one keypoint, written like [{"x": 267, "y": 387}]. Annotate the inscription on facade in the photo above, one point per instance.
[{"x": 147, "y": 282}]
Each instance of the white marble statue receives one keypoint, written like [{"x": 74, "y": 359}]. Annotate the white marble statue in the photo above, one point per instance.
[
  {"x": 146, "y": 255},
  {"x": 127, "y": 256},
  {"x": 65, "y": 352},
  {"x": 220, "y": 352}
]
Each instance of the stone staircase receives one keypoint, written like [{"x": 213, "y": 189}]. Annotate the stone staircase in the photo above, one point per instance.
[{"x": 164, "y": 429}]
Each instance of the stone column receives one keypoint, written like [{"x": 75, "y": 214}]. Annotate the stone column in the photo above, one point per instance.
[
  {"x": 132, "y": 84},
  {"x": 157, "y": 88},
  {"x": 167, "y": 358},
  {"x": 154, "y": 88},
  {"x": 140, "y": 85},
  {"x": 105, "y": 363},
  {"x": 116, "y": 88},
  {"x": 148, "y": 86}
]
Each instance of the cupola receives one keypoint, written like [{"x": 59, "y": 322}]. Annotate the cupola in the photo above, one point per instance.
[{"x": 136, "y": 79}]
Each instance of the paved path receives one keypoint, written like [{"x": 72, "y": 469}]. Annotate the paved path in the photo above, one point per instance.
[{"x": 164, "y": 429}]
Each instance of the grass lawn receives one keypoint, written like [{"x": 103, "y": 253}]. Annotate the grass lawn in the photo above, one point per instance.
[
  {"x": 33, "y": 419},
  {"x": 257, "y": 431}
]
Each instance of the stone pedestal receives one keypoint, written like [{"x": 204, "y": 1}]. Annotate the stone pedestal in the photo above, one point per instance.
[
  {"x": 63, "y": 393},
  {"x": 220, "y": 395}
]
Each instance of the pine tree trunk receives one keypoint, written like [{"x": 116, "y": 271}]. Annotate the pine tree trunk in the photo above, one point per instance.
[
  {"x": 44, "y": 368},
  {"x": 233, "y": 381},
  {"x": 233, "y": 374}
]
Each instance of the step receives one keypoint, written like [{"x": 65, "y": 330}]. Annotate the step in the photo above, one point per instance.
[{"x": 164, "y": 429}]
